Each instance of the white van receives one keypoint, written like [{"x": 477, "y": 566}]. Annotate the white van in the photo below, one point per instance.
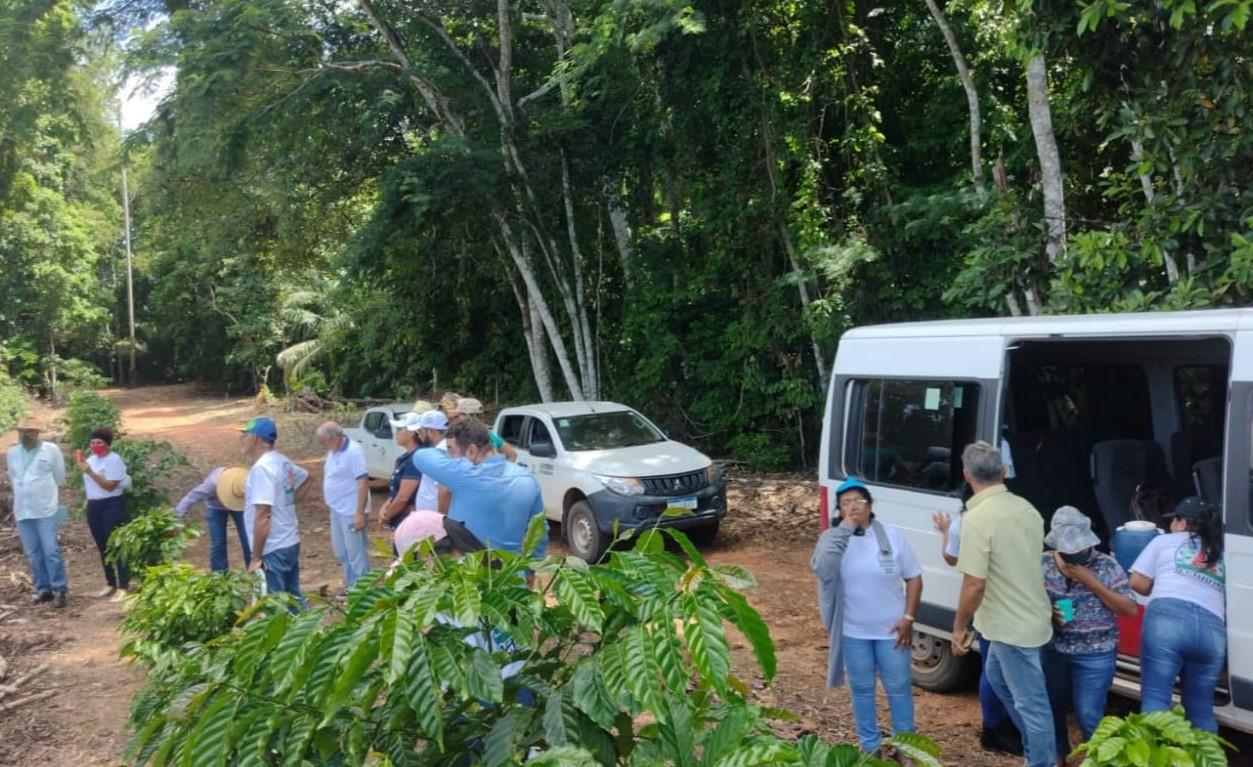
[{"x": 1092, "y": 411}]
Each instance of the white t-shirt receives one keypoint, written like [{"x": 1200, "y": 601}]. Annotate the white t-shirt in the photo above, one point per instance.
[
  {"x": 427, "y": 497},
  {"x": 341, "y": 476},
  {"x": 1174, "y": 562},
  {"x": 272, "y": 481},
  {"x": 111, "y": 468},
  {"x": 954, "y": 546},
  {"x": 874, "y": 586}
]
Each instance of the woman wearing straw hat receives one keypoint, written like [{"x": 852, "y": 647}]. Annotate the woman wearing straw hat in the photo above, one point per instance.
[
  {"x": 1089, "y": 591},
  {"x": 217, "y": 511}
]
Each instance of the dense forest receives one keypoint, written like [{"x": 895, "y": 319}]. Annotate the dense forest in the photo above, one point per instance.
[{"x": 678, "y": 204}]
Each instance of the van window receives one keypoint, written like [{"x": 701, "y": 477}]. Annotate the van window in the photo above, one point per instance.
[
  {"x": 910, "y": 433},
  {"x": 1109, "y": 399},
  {"x": 373, "y": 421},
  {"x": 1201, "y": 392}
]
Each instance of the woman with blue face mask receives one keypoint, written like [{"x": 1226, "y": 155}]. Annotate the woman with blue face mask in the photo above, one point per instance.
[{"x": 1089, "y": 591}]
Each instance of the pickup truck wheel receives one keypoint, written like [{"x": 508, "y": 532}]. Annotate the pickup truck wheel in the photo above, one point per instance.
[
  {"x": 935, "y": 667},
  {"x": 583, "y": 536},
  {"x": 703, "y": 535}
]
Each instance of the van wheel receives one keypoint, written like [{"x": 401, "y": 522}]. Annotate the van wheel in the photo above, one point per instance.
[
  {"x": 583, "y": 536},
  {"x": 703, "y": 535},
  {"x": 935, "y": 667}
]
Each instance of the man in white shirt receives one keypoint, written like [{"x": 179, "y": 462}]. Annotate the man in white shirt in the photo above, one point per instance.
[
  {"x": 270, "y": 508},
  {"x": 346, "y": 490},
  {"x": 37, "y": 471}
]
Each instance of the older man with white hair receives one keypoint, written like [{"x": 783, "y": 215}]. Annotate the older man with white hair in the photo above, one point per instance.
[
  {"x": 346, "y": 490},
  {"x": 1002, "y": 539}
]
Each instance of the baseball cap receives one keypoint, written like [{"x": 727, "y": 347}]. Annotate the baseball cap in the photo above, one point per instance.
[
  {"x": 852, "y": 483},
  {"x": 411, "y": 421},
  {"x": 261, "y": 427},
  {"x": 433, "y": 419},
  {"x": 1192, "y": 507},
  {"x": 469, "y": 406},
  {"x": 1070, "y": 531}
]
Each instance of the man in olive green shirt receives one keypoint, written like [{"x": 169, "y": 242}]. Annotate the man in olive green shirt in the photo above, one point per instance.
[{"x": 1003, "y": 589}]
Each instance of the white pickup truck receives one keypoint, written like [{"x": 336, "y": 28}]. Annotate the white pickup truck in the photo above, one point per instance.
[
  {"x": 375, "y": 435},
  {"x": 600, "y": 462}
]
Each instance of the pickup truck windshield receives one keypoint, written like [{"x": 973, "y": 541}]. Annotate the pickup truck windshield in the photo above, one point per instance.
[{"x": 605, "y": 431}]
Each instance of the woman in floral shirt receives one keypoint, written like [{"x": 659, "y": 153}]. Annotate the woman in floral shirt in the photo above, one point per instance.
[{"x": 1080, "y": 661}]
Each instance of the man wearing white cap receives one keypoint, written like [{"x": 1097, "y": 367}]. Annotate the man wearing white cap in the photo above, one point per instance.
[{"x": 36, "y": 471}]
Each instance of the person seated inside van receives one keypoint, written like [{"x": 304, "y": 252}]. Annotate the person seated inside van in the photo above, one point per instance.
[{"x": 1088, "y": 590}]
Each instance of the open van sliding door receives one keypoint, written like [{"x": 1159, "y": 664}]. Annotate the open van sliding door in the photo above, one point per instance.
[
  {"x": 1238, "y": 541},
  {"x": 899, "y": 413}
]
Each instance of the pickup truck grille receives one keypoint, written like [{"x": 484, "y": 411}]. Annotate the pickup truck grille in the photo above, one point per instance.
[{"x": 677, "y": 484}]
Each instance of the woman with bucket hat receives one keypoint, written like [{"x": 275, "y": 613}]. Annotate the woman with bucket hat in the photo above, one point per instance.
[
  {"x": 1088, "y": 590},
  {"x": 869, "y": 586},
  {"x": 1185, "y": 629}
]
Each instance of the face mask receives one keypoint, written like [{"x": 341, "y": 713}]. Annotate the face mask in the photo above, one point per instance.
[
  {"x": 99, "y": 450},
  {"x": 1081, "y": 558}
]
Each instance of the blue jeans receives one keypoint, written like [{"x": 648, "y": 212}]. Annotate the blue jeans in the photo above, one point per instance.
[
  {"x": 1181, "y": 639},
  {"x": 350, "y": 547},
  {"x": 1017, "y": 676},
  {"x": 39, "y": 541},
  {"x": 282, "y": 572},
  {"x": 215, "y": 520},
  {"x": 864, "y": 661},
  {"x": 993, "y": 710},
  {"x": 1081, "y": 681}
]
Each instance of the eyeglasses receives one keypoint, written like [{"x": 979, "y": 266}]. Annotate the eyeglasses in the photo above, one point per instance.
[{"x": 854, "y": 503}]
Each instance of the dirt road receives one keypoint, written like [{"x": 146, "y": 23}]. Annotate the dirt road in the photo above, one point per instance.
[{"x": 769, "y": 531}]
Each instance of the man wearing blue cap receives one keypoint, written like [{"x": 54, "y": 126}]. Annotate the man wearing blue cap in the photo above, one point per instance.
[{"x": 270, "y": 507}]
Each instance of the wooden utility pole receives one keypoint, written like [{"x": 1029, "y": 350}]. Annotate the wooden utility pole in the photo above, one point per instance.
[{"x": 126, "y": 238}]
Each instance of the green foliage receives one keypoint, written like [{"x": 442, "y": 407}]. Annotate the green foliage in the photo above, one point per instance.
[
  {"x": 1158, "y": 737},
  {"x": 87, "y": 410},
  {"x": 180, "y": 604},
  {"x": 625, "y": 662},
  {"x": 152, "y": 537},
  {"x": 146, "y": 462}
]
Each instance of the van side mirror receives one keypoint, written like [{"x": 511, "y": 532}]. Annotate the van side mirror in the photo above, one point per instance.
[
  {"x": 383, "y": 432},
  {"x": 542, "y": 450}
]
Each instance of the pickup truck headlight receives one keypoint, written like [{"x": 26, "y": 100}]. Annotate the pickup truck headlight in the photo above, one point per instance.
[
  {"x": 712, "y": 474},
  {"x": 622, "y": 485}
]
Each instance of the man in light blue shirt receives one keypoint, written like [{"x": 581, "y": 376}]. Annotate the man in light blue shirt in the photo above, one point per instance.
[
  {"x": 493, "y": 498},
  {"x": 37, "y": 471}
]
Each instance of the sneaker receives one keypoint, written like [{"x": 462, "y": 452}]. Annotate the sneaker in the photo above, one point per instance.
[
  {"x": 1004, "y": 739},
  {"x": 58, "y": 599},
  {"x": 119, "y": 596},
  {"x": 107, "y": 591},
  {"x": 41, "y": 597}
]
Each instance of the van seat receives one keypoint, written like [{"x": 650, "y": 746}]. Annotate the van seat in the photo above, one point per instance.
[
  {"x": 1050, "y": 469},
  {"x": 1208, "y": 476},
  {"x": 1189, "y": 447},
  {"x": 1118, "y": 468}
]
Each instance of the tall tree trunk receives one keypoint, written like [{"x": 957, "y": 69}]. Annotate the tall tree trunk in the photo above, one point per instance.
[
  {"x": 1050, "y": 159},
  {"x": 591, "y": 384},
  {"x": 972, "y": 93},
  {"x": 1146, "y": 186},
  {"x": 533, "y": 334},
  {"x": 621, "y": 229}
]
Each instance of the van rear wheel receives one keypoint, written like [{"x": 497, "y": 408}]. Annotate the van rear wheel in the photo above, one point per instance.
[{"x": 933, "y": 665}]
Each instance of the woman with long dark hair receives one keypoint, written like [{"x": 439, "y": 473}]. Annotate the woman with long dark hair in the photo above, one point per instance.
[
  {"x": 1185, "y": 627},
  {"x": 105, "y": 480}
]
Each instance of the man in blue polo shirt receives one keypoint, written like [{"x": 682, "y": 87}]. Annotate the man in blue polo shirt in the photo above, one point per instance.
[{"x": 493, "y": 498}]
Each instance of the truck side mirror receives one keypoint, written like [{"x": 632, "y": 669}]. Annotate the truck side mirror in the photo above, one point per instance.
[{"x": 542, "y": 450}]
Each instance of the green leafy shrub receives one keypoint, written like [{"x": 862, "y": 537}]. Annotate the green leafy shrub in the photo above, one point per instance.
[
  {"x": 622, "y": 663},
  {"x": 151, "y": 538},
  {"x": 1158, "y": 737},
  {"x": 146, "y": 461},
  {"x": 180, "y": 604},
  {"x": 87, "y": 410},
  {"x": 12, "y": 404}
]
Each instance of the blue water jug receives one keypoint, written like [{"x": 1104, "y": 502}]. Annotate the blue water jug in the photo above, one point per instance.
[{"x": 1130, "y": 539}]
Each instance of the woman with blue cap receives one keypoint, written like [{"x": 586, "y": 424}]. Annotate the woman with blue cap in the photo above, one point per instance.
[{"x": 868, "y": 589}]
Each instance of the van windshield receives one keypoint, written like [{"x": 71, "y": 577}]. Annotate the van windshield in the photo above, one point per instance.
[{"x": 605, "y": 431}]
